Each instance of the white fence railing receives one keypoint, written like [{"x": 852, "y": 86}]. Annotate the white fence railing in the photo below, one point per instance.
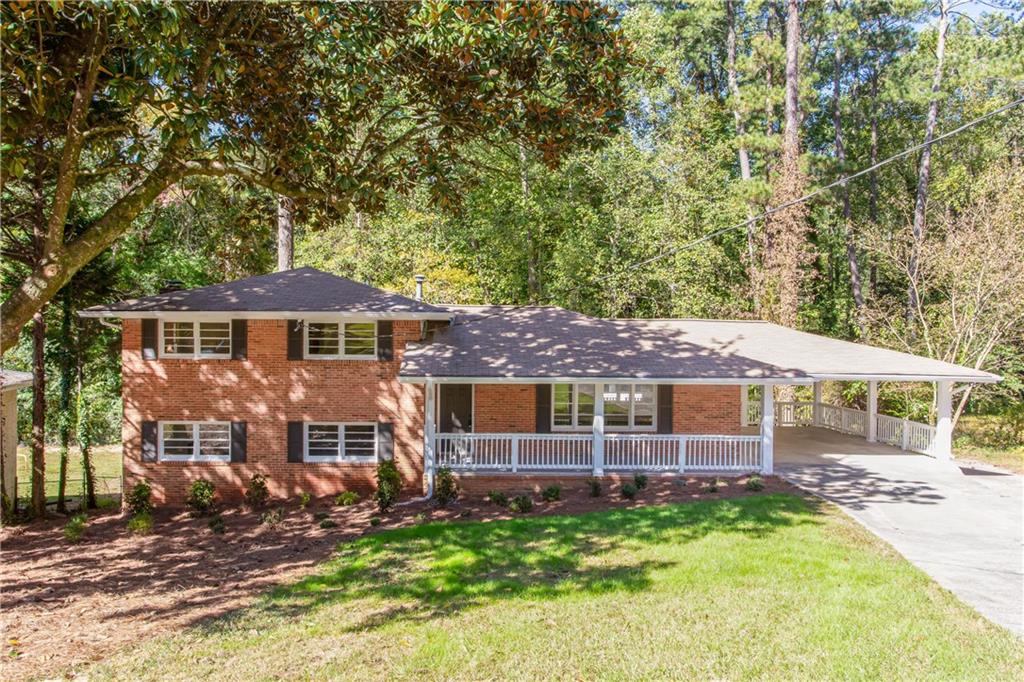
[
  {"x": 516, "y": 452},
  {"x": 900, "y": 433}
]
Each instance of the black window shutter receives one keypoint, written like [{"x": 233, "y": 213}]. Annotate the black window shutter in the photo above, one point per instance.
[
  {"x": 294, "y": 339},
  {"x": 294, "y": 441},
  {"x": 385, "y": 340},
  {"x": 239, "y": 339},
  {"x": 385, "y": 440},
  {"x": 149, "y": 445},
  {"x": 149, "y": 339},
  {"x": 543, "y": 408},
  {"x": 664, "y": 408},
  {"x": 238, "y": 441}
]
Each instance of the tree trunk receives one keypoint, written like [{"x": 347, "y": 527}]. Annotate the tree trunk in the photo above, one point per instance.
[
  {"x": 285, "y": 233},
  {"x": 532, "y": 251},
  {"x": 64, "y": 417},
  {"x": 83, "y": 434},
  {"x": 873, "y": 176},
  {"x": 38, "y": 415},
  {"x": 851, "y": 242},
  {"x": 744, "y": 157},
  {"x": 924, "y": 170}
]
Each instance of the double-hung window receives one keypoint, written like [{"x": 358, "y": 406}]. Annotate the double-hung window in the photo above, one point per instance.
[
  {"x": 627, "y": 407},
  {"x": 341, "y": 340},
  {"x": 195, "y": 441},
  {"x": 331, "y": 442},
  {"x": 195, "y": 339}
]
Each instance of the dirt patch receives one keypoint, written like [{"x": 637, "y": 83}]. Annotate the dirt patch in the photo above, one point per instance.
[{"x": 65, "y": 604}]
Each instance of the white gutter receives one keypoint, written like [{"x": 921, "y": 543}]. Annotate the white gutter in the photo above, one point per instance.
[
  {"x": 800, "y": 381},
  {"x": 261, "y": 315}
]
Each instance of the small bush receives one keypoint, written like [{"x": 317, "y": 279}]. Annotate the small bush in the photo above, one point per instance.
[
  {"x": 712, "y": 486},
  {"x": 257, "y": 494},
  {"x": 320, "y": 515},
  {"x": 521, "y": 504},
  {"x": 754, "y": 483},
  {"x": 446, "y": 490},
  {"x": 104, "y": 502},
  {"x": 200, "y": 498},
  {"x": 420, "y": 518},
  {"x": 497, "y": 497},
  {"x": 272, "y": 517},
  {"x": 595, "y": 487},
  {"x": 640, "y": 481},
  {"x": 327, "y": 523},
  {"x": 139, "y": 499},
  {"x": 552, "y": 493},
  {"x": 304, "y": 499},
  {"x": 389, "y": 484},
  {"x": 75, "y": 528},
  {"x": 216, "y": 524},
  {"x": 375, "y": 521},
  {"x": 628, "y": 491},
  {"x": 141, "y": 524},
  {"x": 347, "y": 498}
]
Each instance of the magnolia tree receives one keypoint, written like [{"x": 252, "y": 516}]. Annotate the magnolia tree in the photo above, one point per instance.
[
  {"x": 969, "y": 279},
  {"x": 335, "y": 105}
]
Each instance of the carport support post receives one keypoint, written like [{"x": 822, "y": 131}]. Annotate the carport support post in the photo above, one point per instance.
[
  {"x": 816, "y": 410},
  {"x": 767, "y": 428},
  {"x": 942, "y": 447},
  {"x": 598, "y": 430},
  {"x": 744, "y": 402},
  {"x": 429, "y": 456},
  {"x": 872, "y": 411}
]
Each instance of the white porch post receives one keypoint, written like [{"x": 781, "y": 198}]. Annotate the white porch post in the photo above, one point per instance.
[
  {"x": 598, "y": 430},
  {"x": 872, "y": 411},
  {"x": 942, "y": 447},
  {"x": 816, "y": 411},
  {"x": 767, "y": 429},
  {"x": 429, "y": 456},
  {"x": 744, "y": 404}
]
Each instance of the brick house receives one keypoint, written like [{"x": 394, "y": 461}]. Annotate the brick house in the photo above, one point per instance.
[{"x": 311, "y": 379}]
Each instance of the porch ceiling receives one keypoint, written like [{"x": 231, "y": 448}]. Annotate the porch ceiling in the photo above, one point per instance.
[{"x": 544, "y": 344}]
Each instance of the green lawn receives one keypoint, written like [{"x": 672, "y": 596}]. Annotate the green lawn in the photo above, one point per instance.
[
  {"x": 106, "y": 462},
  {"x": 763, "y": 587},
  {"x": 990, "y": 439}
]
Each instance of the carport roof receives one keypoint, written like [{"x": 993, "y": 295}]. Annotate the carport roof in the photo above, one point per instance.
[{"x": 550, "y": 344}]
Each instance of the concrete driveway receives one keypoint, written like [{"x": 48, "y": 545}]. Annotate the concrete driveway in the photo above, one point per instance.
[{"x": 960, "y": 524}]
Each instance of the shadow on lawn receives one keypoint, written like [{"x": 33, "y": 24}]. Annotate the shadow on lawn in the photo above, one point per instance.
[{"x": 441, "y": 568}]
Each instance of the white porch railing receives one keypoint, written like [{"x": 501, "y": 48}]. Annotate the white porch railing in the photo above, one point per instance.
[
  {"x": 900, "y": 433},
  {"x": 516, "y": 452}
]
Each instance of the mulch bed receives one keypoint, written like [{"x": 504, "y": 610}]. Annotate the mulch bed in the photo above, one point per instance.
[{"x": 64, "y": 604}]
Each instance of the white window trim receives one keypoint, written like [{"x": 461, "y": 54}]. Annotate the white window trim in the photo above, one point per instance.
[
  {"x": 341, "y": 341},
  {"x": 196, "y": 456},
  {"x": 340, "y": 457},
  {"x": 608, "y": 429},
  {"x": 195, "y": 354}
]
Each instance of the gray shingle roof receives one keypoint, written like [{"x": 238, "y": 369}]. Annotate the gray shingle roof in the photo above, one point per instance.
[
  {"x": 304, "y": 290},
  {"x": 12, "y": 378},
  {"x": 550, "y": 343}
]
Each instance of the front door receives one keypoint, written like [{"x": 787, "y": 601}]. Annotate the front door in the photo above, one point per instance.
[{"x": 455, "y": 407}]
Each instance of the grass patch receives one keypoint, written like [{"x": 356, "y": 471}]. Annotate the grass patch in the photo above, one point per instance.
[
  {"x": 106, "y": 462},
  {"x": 989, "y": 439},
  {"x": 761, "y": 587}
]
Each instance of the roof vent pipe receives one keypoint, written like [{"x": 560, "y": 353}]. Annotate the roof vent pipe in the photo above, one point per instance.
[{"x": 419, "y": 286}]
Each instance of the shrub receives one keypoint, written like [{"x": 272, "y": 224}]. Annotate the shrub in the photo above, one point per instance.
[
  {"x": 320, "y": 515},
  {"x": 75, "y": 528},
  {"x": 628, "y": 491},
  {"x": 327, "y": 523},
  {"x": 200, "y": 498},
  {"x": 420, "y": 517},
  {"x": 552, "y": 493},
  {"x": 375, "y": 521},
  {"x": 595, "y": 487},
  {"x": 272, "y": 517},
  {"x": 446, "y": 490},
  {"x": 640, "y": 481},
  {"x": 141, "y": 523},
  {"x": 139, "y": 499},
  {"x": 712, "y": 486},
  {"x": 497, "y": 497},
  {"x": 304, "y": 499},
  {"x": 521, "y": 504},
  {"x": 347, "y": 498},
  {"x": 216, "y": 524},
  {"x": 754, "y": 483},
  {"x": 105, "y": 502},
  {"x": 257, "y": 494},
  {"x": 389, "y": 483}
]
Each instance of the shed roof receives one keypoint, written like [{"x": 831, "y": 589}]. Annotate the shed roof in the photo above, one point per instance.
[
  {"x": 12, "y": 378},
  {"x": 284, "y": 294},
  {"x": 549, "y": 343}
]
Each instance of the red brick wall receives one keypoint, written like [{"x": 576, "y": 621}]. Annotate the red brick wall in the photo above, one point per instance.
[
  {"x": 505, "y": 408},
  {"x": 706, "y": 408},
  {"x": 267, "y": 391}
]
